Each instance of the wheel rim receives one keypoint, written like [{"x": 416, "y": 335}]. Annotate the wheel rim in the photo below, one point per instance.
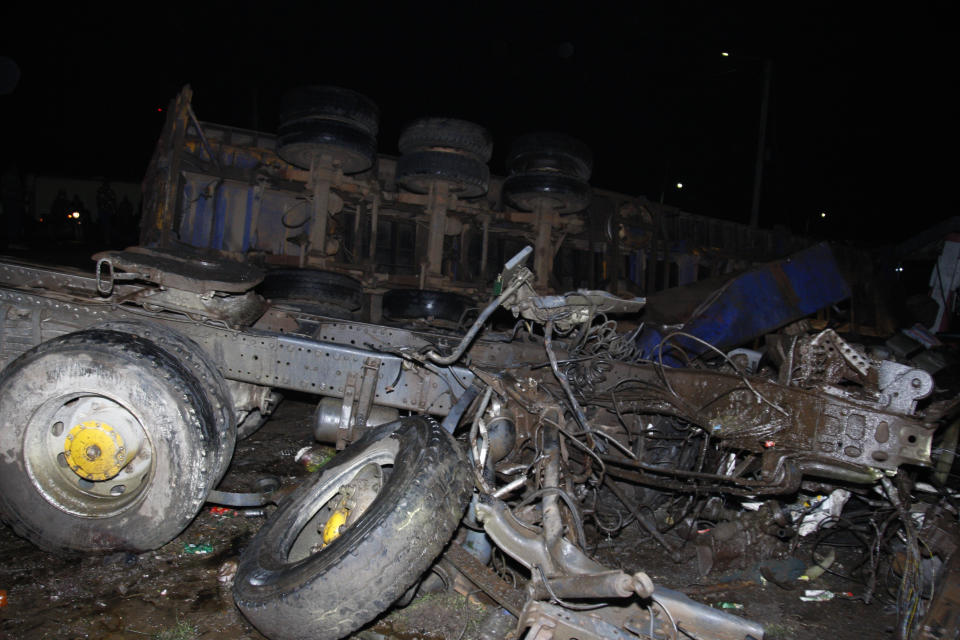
[
  {"x": 364, "y": 476},
  {"x": 88, "y": 454}
]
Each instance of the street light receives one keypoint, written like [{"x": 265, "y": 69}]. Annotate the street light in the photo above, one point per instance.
[
  {"x": 810, "y": 218},
  {"x": 663, "y": 191}
]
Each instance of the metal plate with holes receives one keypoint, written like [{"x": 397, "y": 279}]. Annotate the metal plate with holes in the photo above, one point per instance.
[{"x": 301, "y": 364}]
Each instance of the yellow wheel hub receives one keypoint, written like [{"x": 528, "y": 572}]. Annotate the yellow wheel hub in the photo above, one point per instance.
[
  {"x": 94, "y": 450},
  {"x": 331, "y": 531}
]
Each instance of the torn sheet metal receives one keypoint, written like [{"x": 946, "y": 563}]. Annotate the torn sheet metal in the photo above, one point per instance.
[{"x": 754, "y": 304}]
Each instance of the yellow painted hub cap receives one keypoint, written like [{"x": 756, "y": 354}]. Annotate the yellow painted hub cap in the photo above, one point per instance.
[
  {"x": 94, "y": 450},
  {"x": 336, "y": 522}
]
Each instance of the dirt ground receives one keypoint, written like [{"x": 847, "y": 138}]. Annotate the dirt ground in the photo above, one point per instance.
[{"x": 182, "y": 591}]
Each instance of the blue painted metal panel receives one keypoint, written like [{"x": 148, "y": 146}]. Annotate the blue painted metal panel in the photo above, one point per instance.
[
  {"x": 755, "y": 303},
  {"x": 222, "y": 218}
]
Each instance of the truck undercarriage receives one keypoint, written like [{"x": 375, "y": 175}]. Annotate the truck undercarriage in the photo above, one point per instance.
[{"x": 123, "y": 394}]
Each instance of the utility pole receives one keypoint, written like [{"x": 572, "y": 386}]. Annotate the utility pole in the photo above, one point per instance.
[{"x": 761, "y": 143}]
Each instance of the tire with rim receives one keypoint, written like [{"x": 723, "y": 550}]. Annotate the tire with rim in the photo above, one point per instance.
[
  {"x": 428, "y": 134},
  {"x": 109, "y": 444},
  {"x": 425, "y": 305},
  {"x": 557, "y": 192},
  {"x": 195, "y": 359},
  {"x": 314, "y": 291},
  {"x": 550, "y": 152},
  {"x": 330, "y": 103},
  {"x": 294, "y": 582},
  {"x": 466, "y": 176},
  {"x": 341, "y": 144}
]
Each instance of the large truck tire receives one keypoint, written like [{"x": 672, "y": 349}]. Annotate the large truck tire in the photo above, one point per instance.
[
  {"x": 465, "y": 175},
  {"x": 557, "y": 192},
  {"x": 330, "y": 103},
  {"x": 314, "y": 291},
  {"x": 331, "y": 125},
  {"x": 448, "y": 134},
  {"x": 108, "y": 441},
  {"x": 409, "y": 483},
  {"x": 345, "y": 146},
  {"x": 196, "y": 360},
  {"x": 550, "y": 152},
  {"x": 443, "y": 308}
]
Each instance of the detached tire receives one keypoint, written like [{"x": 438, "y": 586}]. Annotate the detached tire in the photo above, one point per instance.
[
  {"x": 291, "y": 589},
  {"x": 109, "y": 444}
]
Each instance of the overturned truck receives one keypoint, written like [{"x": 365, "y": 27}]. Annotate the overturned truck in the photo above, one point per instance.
[{"x": 123, "y": 393}]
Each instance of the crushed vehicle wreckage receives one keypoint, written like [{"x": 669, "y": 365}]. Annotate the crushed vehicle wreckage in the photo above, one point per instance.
[{"x": 122, "y": 396}]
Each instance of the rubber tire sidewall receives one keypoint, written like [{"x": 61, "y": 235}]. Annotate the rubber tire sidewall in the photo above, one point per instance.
[
  {"x": 421, "y": 304},
  {"x": 571, "y": 155},
  {"x": 196, "y": 360},
  {"x": 439, "y": 133},
  {"x": 329, "y": 102},
  {"x": 465, "y": 175},
  {"x": 163, "y": 396},
  {"x": 334, "y": 592},
  {"x": 349, "y": 147},
  {"x": 565, "y": 194}
]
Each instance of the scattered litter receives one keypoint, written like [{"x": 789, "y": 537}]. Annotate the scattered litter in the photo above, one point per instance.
[
  {"x": 922, "y": 335},
  {"x": 313, "y": 457},
  {"x": 817, "y": 595},
  {"x": 226, "y": 512},
  {"x": 227, "y": 572},
  {"x": 197, "y": 549},
  {"x": 821, "y": 509},
  {"x": 730, "y": 605},
  {"x": 822, "y": 564}
]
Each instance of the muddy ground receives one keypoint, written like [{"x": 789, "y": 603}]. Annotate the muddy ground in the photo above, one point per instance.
[{"x": 182, "y": 591}]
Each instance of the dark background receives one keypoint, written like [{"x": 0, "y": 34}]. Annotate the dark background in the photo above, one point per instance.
[{"x": 862, "y": 105}]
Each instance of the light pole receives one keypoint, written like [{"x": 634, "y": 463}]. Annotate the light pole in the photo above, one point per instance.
[
  {"x": 761, "y": 137},
  {"x": 663, "y": 191}
]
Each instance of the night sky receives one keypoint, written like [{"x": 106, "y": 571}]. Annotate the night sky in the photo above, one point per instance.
[{"x": 862, "y": 108}]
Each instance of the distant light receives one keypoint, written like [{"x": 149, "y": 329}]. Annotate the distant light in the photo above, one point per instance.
[
  {"x": 679, "y": 185},
  {"x": 725, "y": 54},
  {"x": 899, "y": 269},
  {"x": 75, "y": 214},
  {"x": 159, "y": 109},
  {"x": 823, "y": 214}
]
